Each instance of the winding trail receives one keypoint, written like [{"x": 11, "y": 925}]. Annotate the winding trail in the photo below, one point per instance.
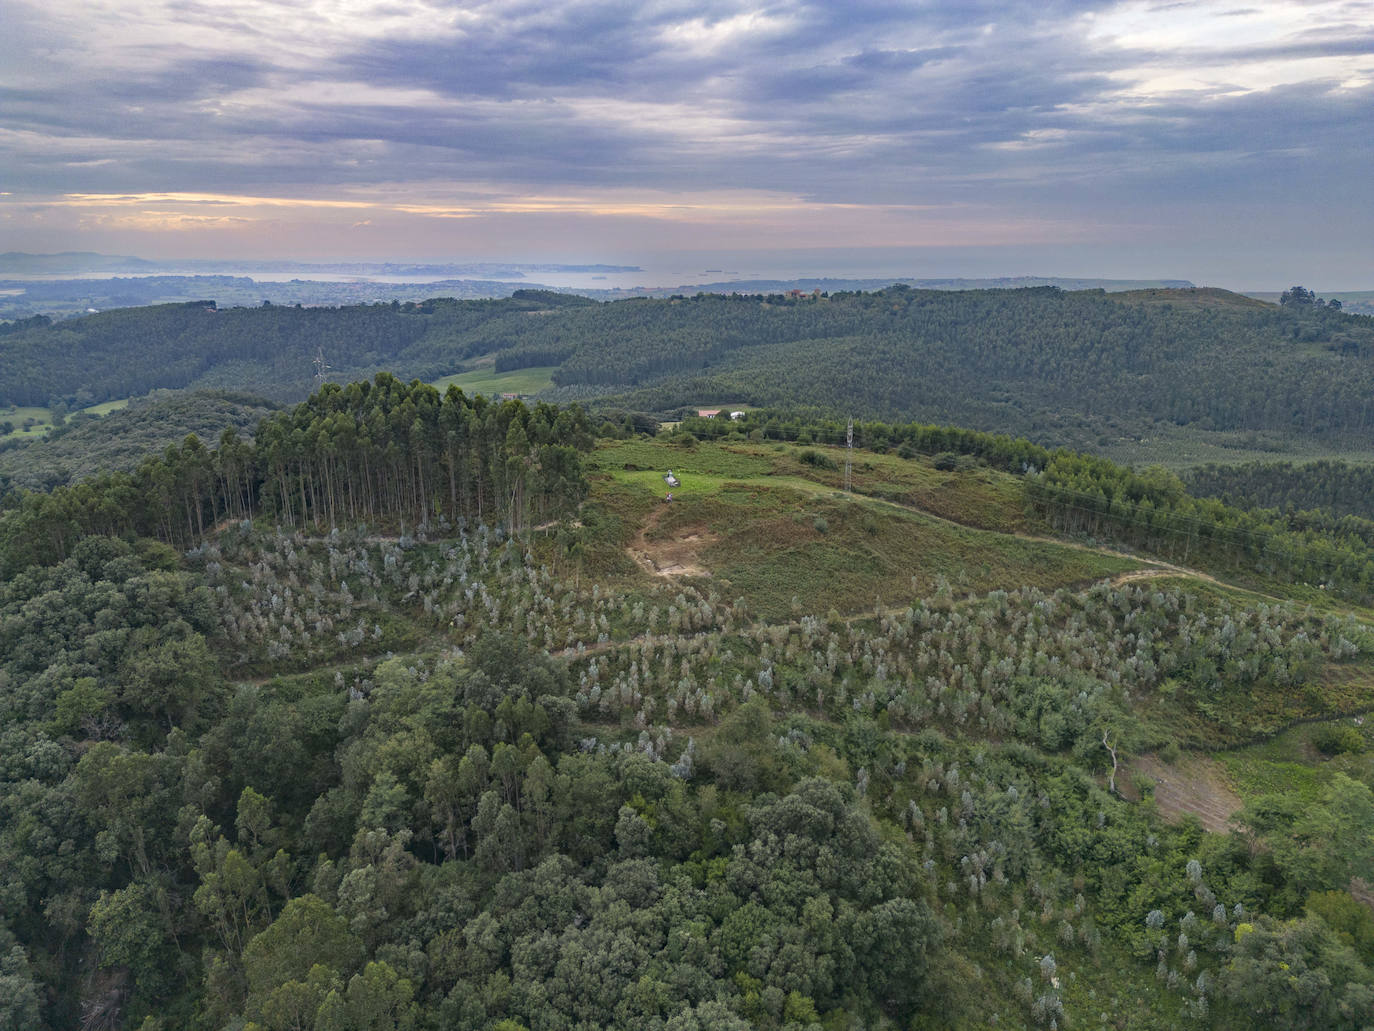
[{"x": 677, "y": 558}]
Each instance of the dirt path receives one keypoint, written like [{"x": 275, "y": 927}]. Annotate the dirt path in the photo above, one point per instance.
[
  {"x": 754, "y": 629},
  {"x": 1164, "y": 570},
  {"x": 365, "y": 662},
  {"x": 679, "y": 556}
]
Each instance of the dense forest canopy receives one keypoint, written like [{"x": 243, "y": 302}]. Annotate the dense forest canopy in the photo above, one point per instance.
[
  {"x": 1063, "y": 367},
  {"x": 87, "y": 445},
  {"x": 1336, "y": 487},
  {"x": 383, "y": 451},
  {"x": 268, "y": 350}
]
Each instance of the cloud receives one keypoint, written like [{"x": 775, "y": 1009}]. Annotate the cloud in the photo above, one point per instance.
[
  {"x": 1036, "y": 113},
  {"x": 165, "y": 221}
]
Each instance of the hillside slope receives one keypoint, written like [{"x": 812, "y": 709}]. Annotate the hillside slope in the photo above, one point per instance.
[
  {"x": 1083, "y": 369},
  {"x": 1062, "y": 368},
  {"x": 123, "y": 438},
  {"x": 770, "y": 755},
  {"x": 270, "y": 351}
]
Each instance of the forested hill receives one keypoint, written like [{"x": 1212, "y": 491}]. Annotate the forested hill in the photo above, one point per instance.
[
  {"x": 87, "y": 445},
  {"x": 269, "y": 351},
  {"x": 1077, "y": 368},
  {"x": 373, "y": 746},
  {"x": 383, "y": 452},
  {"x": 1061, "y": 367}
]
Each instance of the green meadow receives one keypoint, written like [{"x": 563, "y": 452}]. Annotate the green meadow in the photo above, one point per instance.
[{"x": 484, "y": 380}]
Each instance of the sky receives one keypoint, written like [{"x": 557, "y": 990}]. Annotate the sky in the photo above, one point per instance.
[{"x": 1227, "y": 143}]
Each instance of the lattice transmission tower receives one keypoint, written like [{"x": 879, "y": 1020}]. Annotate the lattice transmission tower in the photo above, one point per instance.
[
  {"x": 849, "y": 457},
  {"x": 321, "y": 367}
]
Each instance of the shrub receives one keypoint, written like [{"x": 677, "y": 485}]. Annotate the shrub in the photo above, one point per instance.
[
  {"x": 812, "y": 457},
  {"x": 1335, "y": 740}
]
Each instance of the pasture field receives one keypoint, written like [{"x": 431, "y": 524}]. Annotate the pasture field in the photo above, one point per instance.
[
  {"x": 43, "y": 418},
  {"x": 105, "y": 408},
  {"x": 485, "y": 380},
  {"x": 42, "y": 422}
]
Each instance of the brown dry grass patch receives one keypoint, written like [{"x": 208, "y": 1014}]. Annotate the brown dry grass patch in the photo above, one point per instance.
[
  {"x": 674, "y": 551},
  {"x": 1193, "y": 786}
]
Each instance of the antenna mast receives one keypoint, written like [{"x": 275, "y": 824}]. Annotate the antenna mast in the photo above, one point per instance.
[{"x": 849, "y": 456}]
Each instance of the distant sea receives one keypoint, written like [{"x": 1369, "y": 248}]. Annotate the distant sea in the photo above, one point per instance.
[{"x": 657, "y": 277}]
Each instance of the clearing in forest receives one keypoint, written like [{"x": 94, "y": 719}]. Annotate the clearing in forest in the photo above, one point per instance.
[
  {"x": 674, "y": 552},
  {"x": 486, "y": 380},
  {"x": 1192, "y": 786},
  {"x": 768, "y": 527}
]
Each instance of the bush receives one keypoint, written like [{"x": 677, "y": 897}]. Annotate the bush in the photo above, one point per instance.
[
  {"x": 815, "y": 458},
  {"x": 1336, "y": 740},
  {"x": 820, "y": 525},
  {"x": 948, "y": 461}
]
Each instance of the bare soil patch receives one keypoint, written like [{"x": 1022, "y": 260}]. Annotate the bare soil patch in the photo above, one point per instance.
[
  {"x": 672, "y": 552},
  {"x": 1193, "y": 786}
]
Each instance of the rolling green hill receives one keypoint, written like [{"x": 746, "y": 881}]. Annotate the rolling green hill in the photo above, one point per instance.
[
  {"x": 1127, "y": 373},
  {"x": 520, "y": 744},
  {"x": 1083, "y": 369},
  {"x": 118, "y": 439},
  {"x": 269, "y": 351}
]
